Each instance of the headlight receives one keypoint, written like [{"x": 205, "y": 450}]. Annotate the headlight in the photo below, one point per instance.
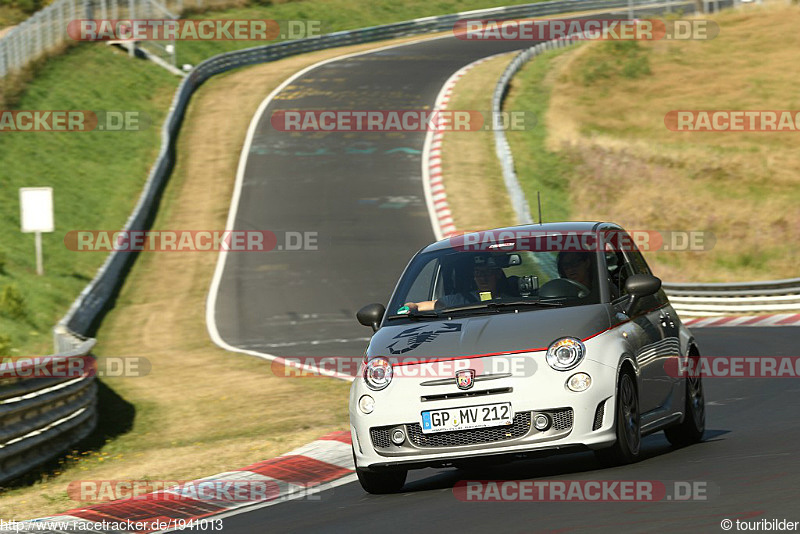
[
  {"x": 378, "y": 373},
  {"x": 366, "y": 404},
  {"x": 565, "y": 354},
  {"x": 579, "y": 382}
]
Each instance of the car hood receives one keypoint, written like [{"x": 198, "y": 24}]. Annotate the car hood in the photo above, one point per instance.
[{"x": 487, "y": 334}]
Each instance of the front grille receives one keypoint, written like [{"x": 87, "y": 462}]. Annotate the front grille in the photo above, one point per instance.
[
  {"x": 598, "y": 415},
  {"x": 380, "y": 437},
  {"x": 562, "y": 419},
  {"x": 520, "y": 427}
]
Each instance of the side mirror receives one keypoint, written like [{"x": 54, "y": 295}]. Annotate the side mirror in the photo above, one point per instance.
[
  {"x": 372, "y": 315},
  {"x": 640, "y": 285}
]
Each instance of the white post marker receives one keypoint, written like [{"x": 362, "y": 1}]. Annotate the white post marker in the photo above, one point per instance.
[{"x": 36, "y": 207}]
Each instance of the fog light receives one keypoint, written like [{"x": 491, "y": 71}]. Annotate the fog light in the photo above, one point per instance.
[
  {"x": 579, "y": 382},
  {"x": 366, "y": 404},
  {"x": 541, "y": 422},
  {"x": 398, "y": 436}
]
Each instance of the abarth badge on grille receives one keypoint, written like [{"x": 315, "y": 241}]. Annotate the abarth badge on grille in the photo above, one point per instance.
[{"x": 465, "y": 378}]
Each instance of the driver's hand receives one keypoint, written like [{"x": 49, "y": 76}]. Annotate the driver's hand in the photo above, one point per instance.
[{"x": 412, "y": 306}]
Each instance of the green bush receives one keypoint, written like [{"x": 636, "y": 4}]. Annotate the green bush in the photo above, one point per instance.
[
  {"x": 3, "y": 262},
  {"x": 636, "y": 67},
  {"x": 610, "y": 59},
  {"x": 5, "y": 345},
  {"x": 12, "y": 303},
  {"x": 28, "y": 6}
]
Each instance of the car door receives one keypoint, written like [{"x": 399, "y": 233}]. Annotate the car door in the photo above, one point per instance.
[
  {"x": 644, "y": 337},
  {"x": 663, "y": 335}
]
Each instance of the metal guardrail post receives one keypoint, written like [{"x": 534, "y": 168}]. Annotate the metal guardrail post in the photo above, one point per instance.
[{"x": 3, "y": 61}]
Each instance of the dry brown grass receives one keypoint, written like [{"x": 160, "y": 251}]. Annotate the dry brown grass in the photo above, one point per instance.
[
  {"x": 742, "y": 187},
  {"x": 473, "y": 177},
  {"x": 201, "y": 410}
]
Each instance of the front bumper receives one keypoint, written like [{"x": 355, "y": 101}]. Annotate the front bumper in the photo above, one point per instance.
[{"x": 537, "y": 389}]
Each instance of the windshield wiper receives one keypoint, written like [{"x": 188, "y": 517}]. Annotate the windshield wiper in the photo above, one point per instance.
[
  {"x": 492, "y": 305},
  {"x": 415, "y": 314}
]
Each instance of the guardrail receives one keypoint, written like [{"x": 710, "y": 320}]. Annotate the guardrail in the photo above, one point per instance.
[
  {"x": 42, "y": 416},
  {"x": 747, "y": 297}
]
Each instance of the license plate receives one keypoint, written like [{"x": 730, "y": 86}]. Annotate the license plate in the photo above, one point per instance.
[{"x": 485, "y": 415}]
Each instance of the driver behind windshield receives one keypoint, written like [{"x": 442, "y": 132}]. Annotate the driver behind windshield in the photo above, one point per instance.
[
  {"x": 576, "y": 266},
  {"x": 490, "y": 282}
]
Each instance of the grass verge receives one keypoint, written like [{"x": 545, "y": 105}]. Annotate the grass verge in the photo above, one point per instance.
[
  {"x": 741, "y": 187},
  {"x": 9, "y": 17},
  {"x": 600, "y": 150},
  {"x": 105, "y": 170},
  {"x": 539, "y": 169}
]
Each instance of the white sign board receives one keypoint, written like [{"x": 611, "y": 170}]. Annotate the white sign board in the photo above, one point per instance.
[{"x": 36, "y": 204}]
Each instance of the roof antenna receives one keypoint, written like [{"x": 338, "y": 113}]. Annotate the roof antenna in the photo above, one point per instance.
[{"x": 539, "y": 200}]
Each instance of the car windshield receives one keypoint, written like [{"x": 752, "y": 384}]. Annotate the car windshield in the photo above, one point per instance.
[{"x": 478, "y": 282}]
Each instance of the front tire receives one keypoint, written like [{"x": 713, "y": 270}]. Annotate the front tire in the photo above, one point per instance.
[
  {"x": 626, "y": 449},
  {"x": 381, "y": 481},
  {"x": 691, "y": 430}
]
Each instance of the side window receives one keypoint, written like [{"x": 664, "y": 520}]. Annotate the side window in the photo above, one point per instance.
[
  {"x": 438, "y": 285},
  {"x": 424, "y": 284},
  {"x": 638, "y": 263},
  {"x": 619, "y": 269},
  {"x": 622, "y": 264}
]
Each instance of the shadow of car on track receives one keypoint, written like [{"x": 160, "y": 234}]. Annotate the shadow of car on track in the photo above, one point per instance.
[{"x": 653, "y": 447}]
